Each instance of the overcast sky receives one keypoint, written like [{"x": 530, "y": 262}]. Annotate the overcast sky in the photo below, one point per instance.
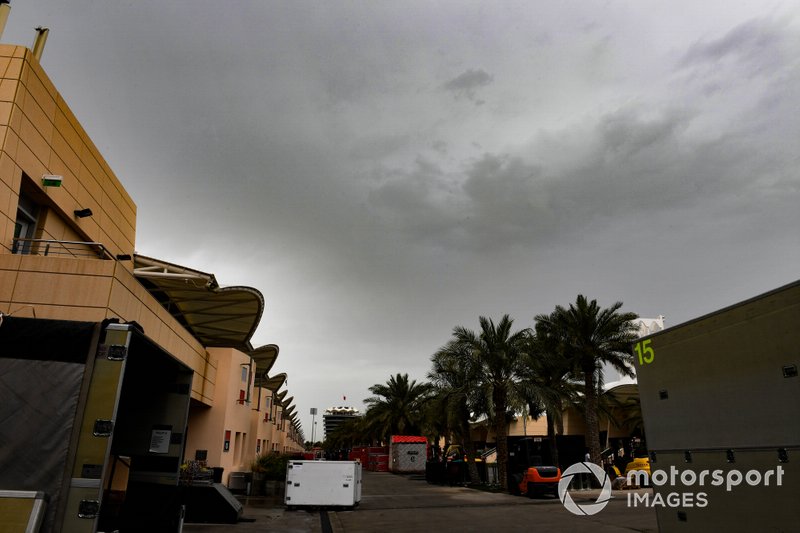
[{"x": 384, "y": 171}]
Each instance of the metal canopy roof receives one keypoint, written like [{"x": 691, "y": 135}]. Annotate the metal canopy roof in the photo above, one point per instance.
[
  {"x": 624, "y": 405},
  {"x": 264, "y": 357},
  {"x": 624, "y": 394},
  {"x": 275, "y": 382},
  {"x": 216, "y": 316}
]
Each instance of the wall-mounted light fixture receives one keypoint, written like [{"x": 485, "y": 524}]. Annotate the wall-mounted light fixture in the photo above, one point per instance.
[
  {"x": 50, "y": 180},
  {"x": 83, "y": 213}
]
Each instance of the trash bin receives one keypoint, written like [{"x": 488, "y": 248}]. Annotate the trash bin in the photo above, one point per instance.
[
  {"x": 483, "y": 474},
  {"x": 217, "y": 473},
  {"x": 237, "y": 482}
]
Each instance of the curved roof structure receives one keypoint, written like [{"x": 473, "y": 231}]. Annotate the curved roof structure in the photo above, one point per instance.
[
  {"x": 625, "y": 393},
  {"x": 214, "y": 315},
  {"x": 264, "y": 357},
  {"x": 624, "y": 405},
  {"x": 274, "y": 383}
]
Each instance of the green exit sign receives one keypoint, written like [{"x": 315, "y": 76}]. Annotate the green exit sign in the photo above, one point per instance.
[{"x": 50, "y": 180}]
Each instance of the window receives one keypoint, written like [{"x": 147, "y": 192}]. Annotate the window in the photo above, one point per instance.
[
  {"x": 25, "y": 224},
  {"x": 237, "y": 447}
]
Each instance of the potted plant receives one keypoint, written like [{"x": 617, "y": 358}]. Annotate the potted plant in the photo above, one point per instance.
[
  {"x": 273, "y": 466},
  {"x": 259, "y": 477},
  {"x": 195, "y": 473}
]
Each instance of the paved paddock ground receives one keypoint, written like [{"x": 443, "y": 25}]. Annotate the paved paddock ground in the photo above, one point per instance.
[
  {"x": 392, "y": 503},
  {"x": 399, "y": 503}
]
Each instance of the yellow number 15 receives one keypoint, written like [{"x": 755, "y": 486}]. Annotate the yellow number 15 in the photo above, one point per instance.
[{"x": 645, "y": 352}]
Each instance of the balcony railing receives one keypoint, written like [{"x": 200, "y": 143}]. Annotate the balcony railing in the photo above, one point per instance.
[{"x": 50, "y": 247}]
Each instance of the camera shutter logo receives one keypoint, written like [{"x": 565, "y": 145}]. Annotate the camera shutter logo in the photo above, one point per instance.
[{"x": 587, "y": 509}]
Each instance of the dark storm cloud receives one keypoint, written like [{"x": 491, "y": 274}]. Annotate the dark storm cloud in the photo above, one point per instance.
[
  {"x": 508, "y": 201},
  {"x": 466, "y": 84},
  {"x": 439, "y": 146},
  {"x": 421, "y": 201},
  {"x": 633, "y": 161},
  {"x": 322, "y": 153},
  {"x": 758, "y": 43}
]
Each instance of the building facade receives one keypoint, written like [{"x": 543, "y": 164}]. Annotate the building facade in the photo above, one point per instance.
[
  {"x": 333, "y": 417},
  {"x": 67, "y": 256}
]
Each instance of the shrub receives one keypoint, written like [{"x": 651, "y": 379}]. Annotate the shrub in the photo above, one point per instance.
[{"x": 273, "y": 465}]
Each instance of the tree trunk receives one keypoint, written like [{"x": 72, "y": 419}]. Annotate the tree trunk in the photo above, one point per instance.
[
  {"x": 500, "y": 432},
  {"x": 551, "y": 437},
  {"x": 592, "y": 424},
  {"x": 469, "y": 449}
]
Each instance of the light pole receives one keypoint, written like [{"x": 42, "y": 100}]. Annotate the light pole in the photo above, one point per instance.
[{"x": 313, "y": 424}]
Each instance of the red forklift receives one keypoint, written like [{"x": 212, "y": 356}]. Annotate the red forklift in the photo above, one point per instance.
[{"x": 527, "y": 473}]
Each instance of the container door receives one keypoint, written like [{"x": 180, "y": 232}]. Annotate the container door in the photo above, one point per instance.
[{"x": 94, "y": 441}]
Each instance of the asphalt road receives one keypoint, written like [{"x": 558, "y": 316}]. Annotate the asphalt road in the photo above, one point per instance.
[
  {"x": 394, "y": 503},
  {"x": 400, "y": 503}
]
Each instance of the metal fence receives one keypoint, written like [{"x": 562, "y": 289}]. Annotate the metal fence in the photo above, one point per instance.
[
  {"x": 491, "y": 474},
  {"x": 52, "y": 247}
]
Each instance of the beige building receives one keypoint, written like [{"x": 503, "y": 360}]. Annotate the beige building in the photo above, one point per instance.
[
  {"x": 621, "y": 421},
  {"x": 67, "y": 253}
]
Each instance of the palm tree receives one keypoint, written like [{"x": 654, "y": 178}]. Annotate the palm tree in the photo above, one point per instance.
[
  {"x": 436, "y": 422},
  {"x": 590, "y": 336},
  {"x": 455, "y": 378},
  {"x": 396, "y": 407},
  {"x": 548, "y": 386},
  {"x": 498, "y": 352}
]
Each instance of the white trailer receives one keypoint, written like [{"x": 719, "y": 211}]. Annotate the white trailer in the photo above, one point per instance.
[
  {"x": 323, "y": 484},
  {"x": 407, "y": 454}
]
